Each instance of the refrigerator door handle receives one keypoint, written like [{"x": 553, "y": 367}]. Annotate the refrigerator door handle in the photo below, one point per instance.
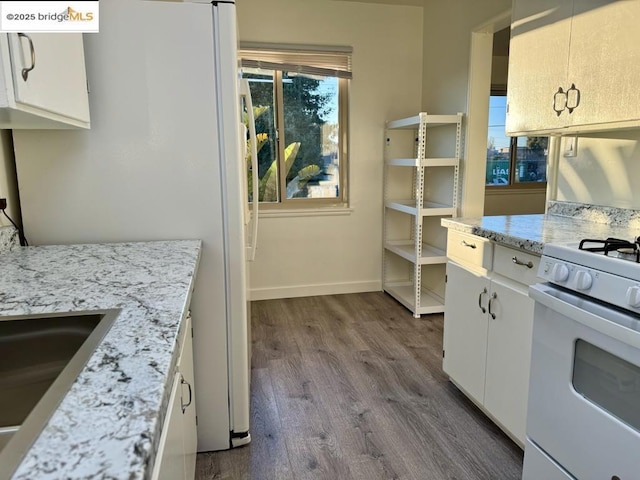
[
  {"x": 246, "y": 93},
  {"x": 245, "y": 188}
]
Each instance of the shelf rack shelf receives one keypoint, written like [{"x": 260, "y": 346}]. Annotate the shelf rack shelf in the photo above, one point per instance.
[
  {"x": 415, "y": 247},
  {"x": 427, "y": 255},
  {"x": 429, "y": 302},
  {"x": 428, "y": 208}
]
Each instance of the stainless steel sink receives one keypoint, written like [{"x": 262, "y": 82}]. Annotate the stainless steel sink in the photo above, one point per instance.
[{"x": 40, "y": 357}]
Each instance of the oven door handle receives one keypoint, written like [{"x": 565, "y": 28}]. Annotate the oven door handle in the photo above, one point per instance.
[{"x": 613, "y": 323}]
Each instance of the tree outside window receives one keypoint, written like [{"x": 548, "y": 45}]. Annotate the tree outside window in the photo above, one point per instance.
[{"x": 298, "y": 125}]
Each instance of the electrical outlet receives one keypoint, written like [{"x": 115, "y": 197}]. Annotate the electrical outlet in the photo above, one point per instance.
[
  {"x": 3, "y": 203},
  {"x": 570, "y": 146}
]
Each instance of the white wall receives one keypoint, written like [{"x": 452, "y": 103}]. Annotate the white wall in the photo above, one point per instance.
[
  {"x": 313, "y": 255},
  {"x": 514, "y": 201},
  {"x": 448, "y": 27},
  {"x": 447, "y": 41},
  {"x": 8, "y": 185},
  {"x": 605, "y": 171}
]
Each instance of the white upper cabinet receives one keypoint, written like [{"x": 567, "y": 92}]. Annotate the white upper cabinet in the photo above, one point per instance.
[
  {"x": 573, "y": 66},
  {"x": 43, "y": 81},
  {"x": 606, "y": 66},
  {"x": 538, "y": 53}
]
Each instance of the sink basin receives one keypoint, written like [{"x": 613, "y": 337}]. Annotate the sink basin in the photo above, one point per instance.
[{"x": 40, "y": 357}]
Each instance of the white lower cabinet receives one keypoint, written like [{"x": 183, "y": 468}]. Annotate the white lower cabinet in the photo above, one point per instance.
[
  {"x": 176, "y": 457},
  {"x": 465, "y": 329},
  {"x": 509, "y": 358},
  {"x": 487, "y": 337}
]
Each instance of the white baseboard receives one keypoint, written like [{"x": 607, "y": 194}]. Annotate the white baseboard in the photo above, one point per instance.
[{"x": 312, "y": 290}]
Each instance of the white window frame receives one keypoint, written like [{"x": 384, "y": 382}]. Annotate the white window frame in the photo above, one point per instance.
[{"x": 326, "y": 66}]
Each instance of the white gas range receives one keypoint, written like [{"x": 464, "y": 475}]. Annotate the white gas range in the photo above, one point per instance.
[{"x": 583, "y": 419}]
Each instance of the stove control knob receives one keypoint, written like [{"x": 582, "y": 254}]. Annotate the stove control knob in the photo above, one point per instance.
[
  {"x": 559, "y": 272},
  {"x": 583, "y": 280},
  {"x": 633, "y": 297}
]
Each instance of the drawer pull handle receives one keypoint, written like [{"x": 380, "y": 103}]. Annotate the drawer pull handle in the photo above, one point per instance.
[
  {"x": 515, "y": 260},
  {"x": 484, "y": 291},
  {"x": 494, "y": 295},
  {"x": 465, "y": 244}
]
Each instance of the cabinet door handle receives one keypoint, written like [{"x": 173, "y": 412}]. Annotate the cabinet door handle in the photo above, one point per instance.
[
  {"x": 465, "y": 244},
  {"x": 182, "y": 404},
  {"x": 484, "y": 310},
  {"x": 494, "y": 295},
  {"x": 577, "y": 97},
  {"x": 25, "y": 71},
  {"x": 562, "y": 96},
  {"x": 515, "y": 260}
]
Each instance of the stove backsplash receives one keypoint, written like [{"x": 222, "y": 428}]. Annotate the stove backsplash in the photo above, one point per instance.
[
  {"x": 596, "y": 213},
  {"x": 604, "y": 171}
]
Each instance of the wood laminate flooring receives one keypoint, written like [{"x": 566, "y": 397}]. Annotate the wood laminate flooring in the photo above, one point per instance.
[{"x": 351, "y": 387}]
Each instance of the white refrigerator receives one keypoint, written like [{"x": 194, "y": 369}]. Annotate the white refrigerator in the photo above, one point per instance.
[{"x": 163, "y": 160}]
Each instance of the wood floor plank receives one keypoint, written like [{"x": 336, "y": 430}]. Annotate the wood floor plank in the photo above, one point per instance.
[
  {"x": 363, "y": 441},
  {"x": 352, "y": 387},
  {"x": 314, "y": 450},
  {"x": 268, "y": 337}
]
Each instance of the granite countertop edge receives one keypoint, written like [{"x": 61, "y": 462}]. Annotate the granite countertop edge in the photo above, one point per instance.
[
  {"x": 108, "y": 424},
  {"x": 531, "y": 232},
  {"x": 473, "y": 226}
]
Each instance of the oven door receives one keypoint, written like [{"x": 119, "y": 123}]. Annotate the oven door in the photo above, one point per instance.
[{"x": 584, "y": 393}]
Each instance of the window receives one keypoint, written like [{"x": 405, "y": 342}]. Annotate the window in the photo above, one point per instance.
[
  {"x": 520, "y": 161},
  {"x": 300, "y": 108}
]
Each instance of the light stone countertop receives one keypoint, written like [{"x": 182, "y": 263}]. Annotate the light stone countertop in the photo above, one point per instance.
[
  {"x": 109, "y": 423},
  {"x": 531, "y": 232},
  {"x": 8, "y": 238}
]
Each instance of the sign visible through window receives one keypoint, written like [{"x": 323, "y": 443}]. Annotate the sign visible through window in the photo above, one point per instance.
[{"x": 512, "y": 160}]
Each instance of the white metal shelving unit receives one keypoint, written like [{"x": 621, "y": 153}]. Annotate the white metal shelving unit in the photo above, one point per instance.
[{"x": 408, "y": 251}]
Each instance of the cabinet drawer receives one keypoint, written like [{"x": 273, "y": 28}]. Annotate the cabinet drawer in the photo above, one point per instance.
[
  {"x": 469, "y": 250},
  {"x": 515, "y": 264}
]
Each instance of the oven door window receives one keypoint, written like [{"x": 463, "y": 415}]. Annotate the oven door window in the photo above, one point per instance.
[{"x": 608, "y": 381}]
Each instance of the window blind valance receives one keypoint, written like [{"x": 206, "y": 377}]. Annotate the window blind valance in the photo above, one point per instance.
[{"x": 304, "y": 59}]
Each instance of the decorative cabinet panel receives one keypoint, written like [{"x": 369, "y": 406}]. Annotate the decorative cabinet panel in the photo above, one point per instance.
[
  {"x": 573, "y": 66},
  {"x": 43, "y": 81}
]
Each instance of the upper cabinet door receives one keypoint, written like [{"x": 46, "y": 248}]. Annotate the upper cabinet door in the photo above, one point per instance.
[
  {"x": 578, "y": 57},
  {"x": 604, "y": 63},
  {"x": 538, "y": 61},
  {"x": 49, "y": 75}
]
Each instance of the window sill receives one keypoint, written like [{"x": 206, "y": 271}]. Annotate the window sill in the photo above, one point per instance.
[
  {"x": 510, "y": 190},
  {"x": 305, "y": 212}
]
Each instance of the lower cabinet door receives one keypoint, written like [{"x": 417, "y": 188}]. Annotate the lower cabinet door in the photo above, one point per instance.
[
  {"x": 509, "y": 357},
  {"x": 188, "y": 405},
  {"x": 170, "y": 458},
  {"x": 465, "y": 329}
]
